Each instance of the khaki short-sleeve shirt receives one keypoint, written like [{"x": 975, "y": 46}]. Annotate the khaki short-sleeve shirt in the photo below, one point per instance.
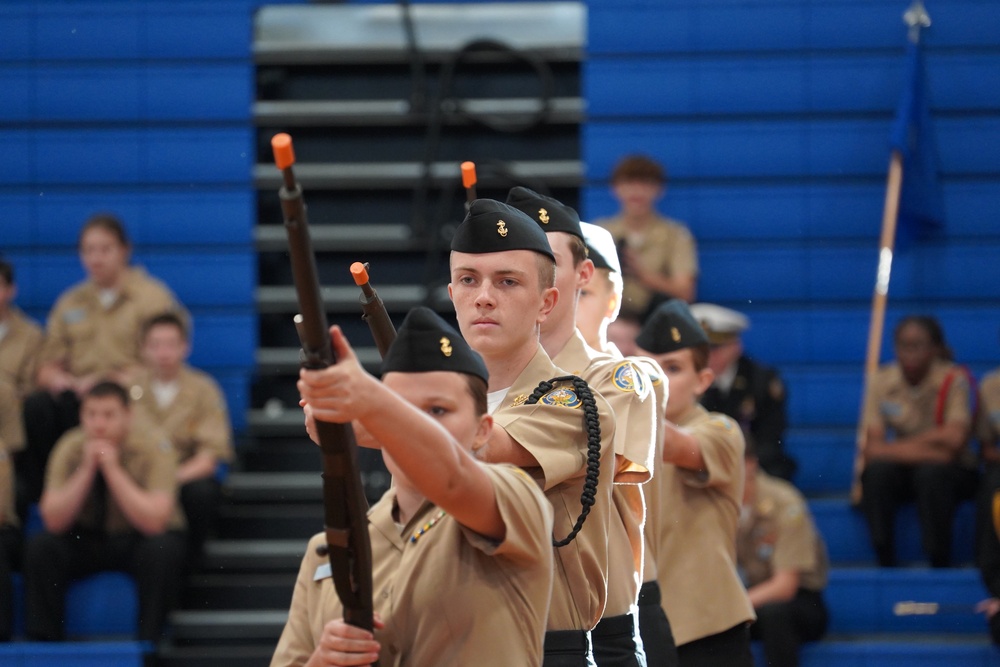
[
  {"x": 18, "y": 356},
  {"x": 196, "y": 421},
  {"x": 668, "y": 248},
  {"x": 451, "y": 596},
  {"x": 988, "y": 426},
  {"x": 696, "y": 560},
  {"x": 907, "y": 410},
  {"x": 779, "y": 534},
  {"x": 552, "y": 430},
  {"x": 85, "y": 337},
  {"x": 147, "y": 458},
  {"x": 627, "y": 388}
]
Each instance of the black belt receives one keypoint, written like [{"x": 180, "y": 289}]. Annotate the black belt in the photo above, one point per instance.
[
  {"x": 613, "y": 626},
  {"x": 649, "y": 594},
  {"x": 567, "y": 642}
]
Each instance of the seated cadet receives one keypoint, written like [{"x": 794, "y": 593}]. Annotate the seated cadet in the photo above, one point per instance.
[
  {"x": 188, "y": 406},
  {"x": 917, "y": 423},
  {"x": 461, "y": 550},
  {"x": 109, "y": 504},
  {"x": 615, "y": 638},
  {"x": 749, "y": 392},
  {"x": 597, "y": 308},
  {"x": 20, "y": 339},
  {"x": 502, "y": 276},
  {"x": 783, "y": 562},
  {"x": 92, "y": 334},
  {"x": 702, "y": 486},
  {"x": 10, "y": 546},
  {"x": 988, "y": 562}
]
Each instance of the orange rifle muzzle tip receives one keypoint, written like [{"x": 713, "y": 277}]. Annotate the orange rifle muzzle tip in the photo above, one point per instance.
[
  {"x": 360, "y": 273},
  {"x": 468, "y": 174},
  {"x": 284, "y": 155}
]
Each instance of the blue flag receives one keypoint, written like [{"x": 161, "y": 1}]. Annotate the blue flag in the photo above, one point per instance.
[{"x": 921, "y": 203}]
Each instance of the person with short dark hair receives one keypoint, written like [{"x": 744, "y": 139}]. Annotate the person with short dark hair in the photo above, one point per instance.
[
  {"x": 658, "y": 254},
  {"x": 92, "y": 334},
  {"x": 188, "y": 406},
  {"x": 10, "y": 546},
  {"x": 461, "y": 550},
  {"x": 704, "y": 598},
  {"x": 109, "y": 503},
  {"x": 917, "y": 423},
  {"x": 783, "y": 561}
]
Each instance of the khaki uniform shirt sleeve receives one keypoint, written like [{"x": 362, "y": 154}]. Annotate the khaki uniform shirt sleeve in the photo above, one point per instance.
[
  {"x": 527, "y": 518},
  {"x": 721, "y": 442},
  {"x": 958, "y": 403},
  {"x": 55, "y": 345},
  {"x": 795, "y": 548},
  {"x": 212, "y": 433},
  {"x": 64, "y": 459},
  {"x": 297, "y": 643},
  {"x": 683, "y": 252}
]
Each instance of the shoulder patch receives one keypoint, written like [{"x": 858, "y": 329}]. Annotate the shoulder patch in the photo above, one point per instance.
[
  {"x": 721, "y": 421},
  {"x": 627, "y": 377},
  {"x": 562, "y": 396},
  {"x": 74, "y": 315}
]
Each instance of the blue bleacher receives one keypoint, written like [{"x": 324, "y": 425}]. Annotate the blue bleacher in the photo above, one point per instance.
[{"x": 75, "y": 654}]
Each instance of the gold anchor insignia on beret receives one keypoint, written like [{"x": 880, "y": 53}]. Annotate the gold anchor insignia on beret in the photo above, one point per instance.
[
  {"x": 543, "y": 215},
  {"x": 445, "y": 346},
  {"x": 502, "y": 228},
  {"x": 675, "y": 334}
]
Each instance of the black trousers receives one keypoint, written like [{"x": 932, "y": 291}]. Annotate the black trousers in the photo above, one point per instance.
[
  {"x": 937, "y": 490},
  {"x": 654, "y": 628},
  {"x": 10, "y": 560},
  {"x": 51, "y": 562},
  {"x": 46, "y": 418},
  {"x": 567, "y": 648},
  {"x": 783, "y": 626},
  {"x": 614, "y": 639},
  {"x": 200, "y": 500},
  {"x": 730, "y": 648}
]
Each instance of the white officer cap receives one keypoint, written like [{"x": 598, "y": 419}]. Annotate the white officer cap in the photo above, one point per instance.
[
  {"x": 601, "y": 246},
  {"x": 722, "y": 325}
]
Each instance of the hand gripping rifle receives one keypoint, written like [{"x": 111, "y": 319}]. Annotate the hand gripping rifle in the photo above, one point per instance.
[
  {"x": 344, "y": 504},
  {"x": 374, "y": 310}
]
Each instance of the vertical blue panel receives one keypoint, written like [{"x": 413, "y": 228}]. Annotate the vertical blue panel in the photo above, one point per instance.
[
  {"x": 17, "y": 224},
  {"x": 204, "y": 92},
  {"x": 16, "y": 30},
  {"x": 18, "y": 91},
  {"x": 198, "y": 157},
  {"x": 88, "y": 31},
  {"x": 88, "y": 93},
  {"x": 17, "y": 165}
]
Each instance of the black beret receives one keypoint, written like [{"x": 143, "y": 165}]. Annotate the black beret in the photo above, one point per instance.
[
  {"x": 491, "y": 226},
  {"x": 426, "y": 343},
  {"x": 552, "y": 215},
  {"x": 670, "y": 327}
]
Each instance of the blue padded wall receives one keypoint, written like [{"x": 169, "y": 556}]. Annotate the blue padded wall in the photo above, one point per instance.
[
  {"x": 142, "y": 109},
  {"x": 772, "y": 118}
]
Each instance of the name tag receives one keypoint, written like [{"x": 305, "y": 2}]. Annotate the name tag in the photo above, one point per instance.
[{"x": 322, "y": 572}]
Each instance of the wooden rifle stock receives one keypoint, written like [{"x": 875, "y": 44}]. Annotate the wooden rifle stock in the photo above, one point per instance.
[
  {"x": 344, "y": 504},
  {"x": 374, "y": 310}
]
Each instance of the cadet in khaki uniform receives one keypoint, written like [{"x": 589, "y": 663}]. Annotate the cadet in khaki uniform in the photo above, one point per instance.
[
  {"x": 784, "y": 565},
  {"x": 188, "y": 406},
  {"x": 20, "y": 339},
  {"x": 502, "y": 272},
  {"x": 461, "y": 549},
  {"x": 92, "y": 334},
  {"x": 702, "y": 486},
  {"x": 627, "y": 390},
  {"x": 597, "y": 308},
  {"x": 10, "y": 546},
  {"x": 917, "y": 423},
  {"x": 109, "y": 504}
]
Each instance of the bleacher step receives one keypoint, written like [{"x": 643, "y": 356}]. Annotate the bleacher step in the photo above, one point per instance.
[
  {"x": 253, "y": 555},
  {"x": 204, "y": 592},
  {"x": 251, "y": 655},
  {"x": 258, "y": 626},
  {"x": 341, "y": 237},
  {"x": 272, "y": 521}
]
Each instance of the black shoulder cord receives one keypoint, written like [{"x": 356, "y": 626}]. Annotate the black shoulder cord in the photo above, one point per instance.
[{"x": 593, "y": 425}]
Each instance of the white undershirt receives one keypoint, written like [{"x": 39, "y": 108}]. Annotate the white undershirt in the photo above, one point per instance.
[
  {"x": 494, "y": 399},
  {"x": 164, "y": 392},
  {"x": 107, "y": 297},
  {"x": 724, "y": 380}
]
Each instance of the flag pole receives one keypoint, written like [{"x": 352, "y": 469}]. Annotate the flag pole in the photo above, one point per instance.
[{"x": 915, "y": 17}]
